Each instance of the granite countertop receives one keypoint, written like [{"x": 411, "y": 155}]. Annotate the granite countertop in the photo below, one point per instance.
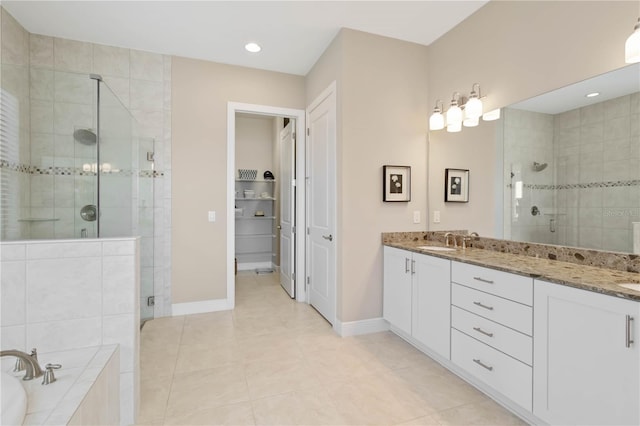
[{"x": 589, "y": 278}]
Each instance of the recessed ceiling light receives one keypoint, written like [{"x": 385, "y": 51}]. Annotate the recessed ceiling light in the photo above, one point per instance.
[
  {"x": 592, "y": 94},
  {"x": 252, "y": 47}
]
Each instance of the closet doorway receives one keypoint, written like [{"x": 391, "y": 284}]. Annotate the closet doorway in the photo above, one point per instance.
[{"x": 265, "y": 162}]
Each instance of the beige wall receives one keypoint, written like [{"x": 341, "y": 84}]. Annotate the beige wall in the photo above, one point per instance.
[
  {"x": 255, "y": 143},
  {"x": 381, "y": 114},
  {"x": 201, "y": 91},
  {"x": 515, "y": 50}
]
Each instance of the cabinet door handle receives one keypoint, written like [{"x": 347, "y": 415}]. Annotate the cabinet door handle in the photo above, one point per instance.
[
  {"x": 482, "y": 364},
  {"x": 406, "y": 265},
  {"x": 483, "y": 280},
  {"x": 486, "y": 333},
  {"x": 629, "y": 340},
  {"x": 483, "y": 306},
  {"x": 413, "y": 267}
]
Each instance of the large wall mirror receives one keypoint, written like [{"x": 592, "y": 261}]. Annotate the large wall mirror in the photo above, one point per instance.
[{"x": 572, "y": 165}]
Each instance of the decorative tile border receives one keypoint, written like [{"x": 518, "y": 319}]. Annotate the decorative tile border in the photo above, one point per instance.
[
  {"x": 609, "y": 184},
  {"x": 72, "y": 171},
  {"x": 627, "y": 262}
]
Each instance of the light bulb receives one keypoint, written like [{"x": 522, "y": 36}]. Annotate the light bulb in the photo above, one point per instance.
[
  {"x": 632, "y": 46},
  {"x": 471, "y": 122},
  {"x": 436, "y": 121},
  {"x": 454, "y": 128},
  {"x": 454, "y": 115},
  {"x": 473, "y": 107}
]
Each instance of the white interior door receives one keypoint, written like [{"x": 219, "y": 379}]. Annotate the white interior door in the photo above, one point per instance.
[
  {"x": 287, "y": 208},
  {"x": 321, "y": 204}
]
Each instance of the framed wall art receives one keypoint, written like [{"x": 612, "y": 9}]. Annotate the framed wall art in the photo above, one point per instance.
[
  {"x": 456, "y": 185},
  {"x": 396, "y": 183}
]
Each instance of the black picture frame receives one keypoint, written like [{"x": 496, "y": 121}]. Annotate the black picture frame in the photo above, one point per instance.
[
  {"x": 456, "y": 185},
  {"x": 396, "y": 183}
]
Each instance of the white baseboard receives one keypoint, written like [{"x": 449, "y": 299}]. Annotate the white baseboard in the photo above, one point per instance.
[
  {"x": 200, "y": 307},
  {"x": 248, "y": 266},
  {"x": 355, "y": 328}
]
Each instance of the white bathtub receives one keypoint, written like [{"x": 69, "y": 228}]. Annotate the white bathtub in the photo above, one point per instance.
[
  {"x": 13, "y": 400},
  {"x": 85, "y": 372}
]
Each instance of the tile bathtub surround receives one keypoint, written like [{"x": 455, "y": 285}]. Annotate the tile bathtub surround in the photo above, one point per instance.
[
  {"x": 86, "y": 387},
  {"x": 602, "y": 259},
  {"x": 274, "y": 361},
  {"x": 70, "y": 294}
]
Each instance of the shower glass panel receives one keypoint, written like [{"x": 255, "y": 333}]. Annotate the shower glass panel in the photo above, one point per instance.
[
  {"x": 118, "y": 167},
  {"x": 146, "y": 225}
]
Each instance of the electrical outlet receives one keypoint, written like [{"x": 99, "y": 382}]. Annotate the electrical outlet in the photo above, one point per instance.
[
  {"x": 416, "y": 216},
  {"x": 436, "y": 216}
]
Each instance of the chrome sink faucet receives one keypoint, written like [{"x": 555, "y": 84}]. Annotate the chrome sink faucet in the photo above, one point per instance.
[
  {"x": 31, "y": 365},
  {"x": 446, "y": 239}
]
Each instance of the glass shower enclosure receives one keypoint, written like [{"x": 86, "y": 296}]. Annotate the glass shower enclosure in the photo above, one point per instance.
[{"x": 74, "y": 165}]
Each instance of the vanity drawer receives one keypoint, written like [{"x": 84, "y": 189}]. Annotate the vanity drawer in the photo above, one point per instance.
[
  {"x": 506, "y": 312},
  {"x": 511, "y": 342},
  {"x": 501, "y": 372},
  {"x": 503, "y": 284}
]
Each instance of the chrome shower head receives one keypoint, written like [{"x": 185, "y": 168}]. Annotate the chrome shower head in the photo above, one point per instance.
[
  {"x": 538, "y": 167},
  {"x": 85, "y": 136}
]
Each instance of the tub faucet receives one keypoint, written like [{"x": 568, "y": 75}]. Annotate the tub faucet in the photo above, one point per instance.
[{"x": 30, "y": 362}]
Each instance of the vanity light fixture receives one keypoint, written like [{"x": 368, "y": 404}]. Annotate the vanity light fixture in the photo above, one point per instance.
[
  {"x": 454, "y": 127},
  {"x": 632, "y": 46},
  {"x": 592, "y": 94},
  {"x": 252, "y": 47},
  {"x": 491, "y": 115},
  {"x": 473, "y": 107},
  {"x": 470, "y": 121},
  {"x": 436, "y": 121},
  {"x": 454, "y": 113}
]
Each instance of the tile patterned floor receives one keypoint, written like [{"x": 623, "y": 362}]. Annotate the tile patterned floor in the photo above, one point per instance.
[{"x": 273, "y": 361}]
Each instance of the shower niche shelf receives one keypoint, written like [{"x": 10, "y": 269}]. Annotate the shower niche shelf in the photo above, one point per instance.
[{"x": 255, "y": 220}]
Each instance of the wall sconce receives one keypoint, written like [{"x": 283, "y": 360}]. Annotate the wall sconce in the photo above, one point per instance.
[
  {"x": 454, "y": 113},
  {"x": 436, "y": 121},
  {"x": 632, "y": 46},
  {"x": 460, "y": 114},
  {"x": 473, "y": 107}
]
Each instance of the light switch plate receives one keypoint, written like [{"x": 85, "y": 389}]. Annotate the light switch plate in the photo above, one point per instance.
[
  {"x": 436, "y": 216},
  {"x": 212, "y": 216},
  {"x": 416, "y": 216}
]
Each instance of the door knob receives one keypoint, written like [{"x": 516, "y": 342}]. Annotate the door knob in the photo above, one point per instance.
[{"x": 328, "y": 237}]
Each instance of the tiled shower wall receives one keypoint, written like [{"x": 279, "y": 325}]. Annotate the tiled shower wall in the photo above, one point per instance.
[
  {"x": 598, "y": 174},
  {"x": 38, "y": 69}
]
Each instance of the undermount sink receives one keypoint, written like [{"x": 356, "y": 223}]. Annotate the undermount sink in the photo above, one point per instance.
[
  {"x": 436, "y": 248},
  {"x": 631, "y": 286}
]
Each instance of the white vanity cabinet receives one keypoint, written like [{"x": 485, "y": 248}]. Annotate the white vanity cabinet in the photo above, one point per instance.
[
  {"x": 431, "y": 303},
  {"x": 492, "y": 328},
  {"x": 416, "y": 297},
  {"x": 396, "y": 300},
  {"x": 586, "y": 357}
]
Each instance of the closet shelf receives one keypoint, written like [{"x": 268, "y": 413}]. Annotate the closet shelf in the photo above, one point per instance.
[
  {"x": 256, "y": 236},
  {"x": 36, "y": 219},
  {"x": 256, "y": 199},
  {"x": 256, "y": 180}
]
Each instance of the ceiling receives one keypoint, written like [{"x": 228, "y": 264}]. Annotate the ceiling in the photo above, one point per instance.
[{"x": 293, "y": 34}]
